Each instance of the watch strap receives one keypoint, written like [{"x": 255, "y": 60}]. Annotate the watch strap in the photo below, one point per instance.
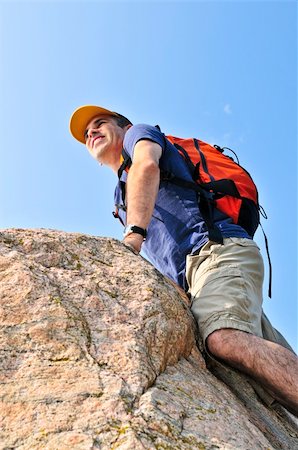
[{"x": 129, "y": 229}]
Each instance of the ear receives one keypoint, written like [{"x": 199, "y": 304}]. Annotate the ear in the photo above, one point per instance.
[{"x": 127, "y": 127}]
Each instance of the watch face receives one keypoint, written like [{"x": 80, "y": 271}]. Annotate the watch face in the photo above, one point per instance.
[{"x": 128, "y": 229}]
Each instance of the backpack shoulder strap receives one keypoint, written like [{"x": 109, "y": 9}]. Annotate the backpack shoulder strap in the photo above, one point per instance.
[{"x": 125, "y": 164}]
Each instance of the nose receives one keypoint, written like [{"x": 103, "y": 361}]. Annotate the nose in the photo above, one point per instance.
[{"x": 91, "y": 132}]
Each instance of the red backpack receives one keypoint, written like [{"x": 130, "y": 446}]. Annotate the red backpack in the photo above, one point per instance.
[{"x": 221, "y": 183}]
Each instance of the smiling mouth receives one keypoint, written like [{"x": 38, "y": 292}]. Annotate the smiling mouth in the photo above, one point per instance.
[{"x": 96, "y": 139}]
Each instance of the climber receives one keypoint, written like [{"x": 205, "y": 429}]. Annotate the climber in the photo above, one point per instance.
[{"x": 165, "y": 220}]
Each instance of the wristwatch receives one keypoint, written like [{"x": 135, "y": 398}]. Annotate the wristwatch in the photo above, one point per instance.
[{"x": 129, "y": 229}]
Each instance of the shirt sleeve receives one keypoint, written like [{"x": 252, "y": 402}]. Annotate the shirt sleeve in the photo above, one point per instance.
[{"x": 142, "y": 132}]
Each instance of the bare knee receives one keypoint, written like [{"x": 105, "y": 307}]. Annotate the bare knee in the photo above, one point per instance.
[
  {"x": 221, "y": 343},
  {"x": 213, "y": 342}
]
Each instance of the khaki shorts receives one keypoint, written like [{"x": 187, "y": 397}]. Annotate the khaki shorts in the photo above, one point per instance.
[{"x": 225, "y": 282}]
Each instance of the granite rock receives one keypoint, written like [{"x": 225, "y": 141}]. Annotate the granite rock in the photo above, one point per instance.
[{"x": 100, "y": 351}]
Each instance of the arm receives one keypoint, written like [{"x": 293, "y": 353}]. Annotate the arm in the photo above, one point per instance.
[{"x": 142, "y": 188}]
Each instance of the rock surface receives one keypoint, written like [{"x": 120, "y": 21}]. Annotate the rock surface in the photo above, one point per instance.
[{"x": 98, "y": 351}]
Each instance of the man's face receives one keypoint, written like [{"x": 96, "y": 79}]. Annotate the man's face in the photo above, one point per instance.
[{"x": 104, "y": 140}]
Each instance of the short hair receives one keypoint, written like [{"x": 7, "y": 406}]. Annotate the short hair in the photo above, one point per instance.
[{"x": 122, "y": 121}]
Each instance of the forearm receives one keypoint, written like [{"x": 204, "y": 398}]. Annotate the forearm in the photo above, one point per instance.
[{"x": 142, "y": 189}]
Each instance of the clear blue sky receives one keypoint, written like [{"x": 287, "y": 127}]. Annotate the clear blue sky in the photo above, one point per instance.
[{"x": 225, "y": 72}]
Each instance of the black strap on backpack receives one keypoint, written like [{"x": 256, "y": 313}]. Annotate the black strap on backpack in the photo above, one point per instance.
[
  {"x": 208, "y": 192},
  {"x": 125, "y": 164},
  {"x": 206, "y": 200}
]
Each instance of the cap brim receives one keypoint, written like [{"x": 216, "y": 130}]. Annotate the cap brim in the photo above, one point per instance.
[{"x": 82, "y": 116}]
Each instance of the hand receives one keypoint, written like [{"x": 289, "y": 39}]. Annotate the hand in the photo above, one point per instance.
[{"x": 134, "y": 241}]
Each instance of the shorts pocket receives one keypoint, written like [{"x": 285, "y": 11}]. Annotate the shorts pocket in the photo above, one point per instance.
[
  {"x": 220, "y": 277},
  {"x": 201, "y": 261}
]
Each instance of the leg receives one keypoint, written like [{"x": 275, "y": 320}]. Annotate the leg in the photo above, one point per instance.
[
  {"x": 273, "y": 366},
  {"x": 226, "y": 287}
]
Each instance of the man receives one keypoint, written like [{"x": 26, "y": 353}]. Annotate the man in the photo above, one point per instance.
[{"x": 224, "y": 280}]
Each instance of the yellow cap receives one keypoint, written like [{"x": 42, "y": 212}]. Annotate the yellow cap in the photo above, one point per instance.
[{"x": 82, "y": 116}]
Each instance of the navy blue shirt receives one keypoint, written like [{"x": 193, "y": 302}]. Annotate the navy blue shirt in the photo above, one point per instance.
[{"x": 177, "y": 227}]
